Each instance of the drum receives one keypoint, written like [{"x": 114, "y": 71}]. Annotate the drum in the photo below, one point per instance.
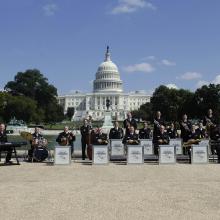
[
  {"x": 39, "y": 142},
  {"x": 42, "y": 142},
  {"x": 40, "y": 154}
]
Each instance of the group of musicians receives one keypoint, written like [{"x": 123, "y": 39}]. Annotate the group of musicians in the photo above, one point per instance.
[{"x": 161, "y": 134}]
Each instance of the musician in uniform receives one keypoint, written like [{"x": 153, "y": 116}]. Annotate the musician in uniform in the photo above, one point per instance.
[
  {"x": 185, "y": 127},
  {"x": 99, "y": 138},
  {"x": 201, "y": 131},
  {"x": 209, "y": 119},
  {"x": 194, "y": 135},
  {"x": 66, "y": 138},
  {"x": 161, "y": 139},
  {"x": 36, "y": 137},
  {"x": 4, "y": 139},
  {"x": 89, "y": 119},
  {"x": 145, "y": 132},
  {"x": 128, "y": 122},
  {"x": 131, "y": 137},
  {"x": 209, "y": 122},
  {"x": 171, "y": 131},
  {"x": 116, "y": 132},
  {"x": 215, "y": 139},
  {"x": 84, "y": 130},
  {"x": 158, "y": 122}
]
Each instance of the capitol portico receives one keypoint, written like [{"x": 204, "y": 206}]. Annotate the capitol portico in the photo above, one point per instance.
[{"x": 107, "y": 85}]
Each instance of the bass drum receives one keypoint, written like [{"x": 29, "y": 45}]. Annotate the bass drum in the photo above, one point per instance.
[{"x": 40, "y": 154}]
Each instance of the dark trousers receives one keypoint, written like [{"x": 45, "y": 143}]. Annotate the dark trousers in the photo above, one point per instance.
[
  {"x": 156, "y": 149},
  {"x": 9, "y": 153},
  {"x": 218, "y": 151},
  {"x": 8, "y": 157},
  {"x": 30, "y": 152},
  {"x": 83, "y": 142},
  {"x": 72, "y": 148}
]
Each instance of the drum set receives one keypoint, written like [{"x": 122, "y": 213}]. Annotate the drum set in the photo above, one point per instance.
[
  {"x": 39, "y": 147},
  {"x": 40, "y": 151}
]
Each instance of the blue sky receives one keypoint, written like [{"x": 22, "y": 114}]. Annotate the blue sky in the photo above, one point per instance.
[{"x": 153, "y": 42}]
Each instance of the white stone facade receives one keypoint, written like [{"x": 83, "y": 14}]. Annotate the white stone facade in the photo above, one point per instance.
[{"x": 107, "y": 85}]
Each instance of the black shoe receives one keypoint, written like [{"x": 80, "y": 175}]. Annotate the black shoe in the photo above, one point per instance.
[
  {"x": 83, "y": 158},
  {"x": 29, "y": 159},
  {"x": 8, "y": 162}
]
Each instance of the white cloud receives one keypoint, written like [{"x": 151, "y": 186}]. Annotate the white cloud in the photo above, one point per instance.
[
  {"x": 50, "y": 9},
  {"x": 191, "y": 76},
  {"x": 172, "y": 86},
  {"x": 217, "y": 79},
  {"x": 148, "y": 58},
  {"x": 201, "y": 83},
  {"x": 168, "y": 63},
  {"x": 128, "y": 6},
  {"x": 140, "y": 67},
  {"x": 151, "y": 57}
]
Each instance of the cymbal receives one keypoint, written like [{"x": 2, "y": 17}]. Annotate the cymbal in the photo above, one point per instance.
[{"x": 26, "y": 135}]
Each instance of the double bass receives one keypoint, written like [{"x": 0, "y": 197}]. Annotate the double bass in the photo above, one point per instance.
[{"x": 89, "y": 144}]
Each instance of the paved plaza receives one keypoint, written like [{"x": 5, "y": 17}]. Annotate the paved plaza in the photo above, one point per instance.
[{"x": 114, "y": 191}]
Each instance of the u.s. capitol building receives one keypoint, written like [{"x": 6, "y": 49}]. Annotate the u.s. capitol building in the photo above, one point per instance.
[{"x": 106, "y": 86}]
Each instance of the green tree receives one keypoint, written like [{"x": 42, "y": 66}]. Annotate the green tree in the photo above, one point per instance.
[
  {"x": 173, "y": 103},
  {"x": 3, "y": 103},
  {"x": 208, "y": 96},
  {"x": 34, "y": 85},
  {"x": 144, "y": 113},
  {"x": 70, "y": 112},
  {"x": 20, "y": 107}
]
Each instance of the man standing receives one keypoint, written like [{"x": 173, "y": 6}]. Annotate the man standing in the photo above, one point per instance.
[
  {"x": 209, "y": 119},
  {"x": 4, "y": 139},
  {"x": 210, "y": 122},
  {"x": 128, "y": 122},
  {"x": 158, "y": 122},
  {"x": 84, "y": 130},
  {"x": 215, "y": 140},
  {"x": 185, "y": 127}
]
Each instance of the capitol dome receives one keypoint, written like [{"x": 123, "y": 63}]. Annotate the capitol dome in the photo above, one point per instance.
[{"x": 107, "y": 76}]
